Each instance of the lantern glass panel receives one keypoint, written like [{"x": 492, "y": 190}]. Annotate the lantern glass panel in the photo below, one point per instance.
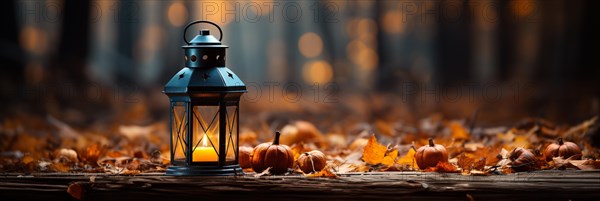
[
  {"x": 179, "y": 131},
  {"x": 232, "y": 132},
  {"x": 206, "y": 133}
]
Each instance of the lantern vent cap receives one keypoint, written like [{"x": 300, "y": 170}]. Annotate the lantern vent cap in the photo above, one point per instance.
[{"x": 204, "y": 38}]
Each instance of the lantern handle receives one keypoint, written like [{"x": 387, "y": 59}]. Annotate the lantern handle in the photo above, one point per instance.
[{"x": 201, "y": 21}]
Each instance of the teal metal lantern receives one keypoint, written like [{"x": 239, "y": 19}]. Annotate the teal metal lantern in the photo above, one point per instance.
[{"x": 204, "y": 111}]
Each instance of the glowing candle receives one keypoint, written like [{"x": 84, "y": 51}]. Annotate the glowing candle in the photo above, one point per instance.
[{"x": 205, "y": 152}]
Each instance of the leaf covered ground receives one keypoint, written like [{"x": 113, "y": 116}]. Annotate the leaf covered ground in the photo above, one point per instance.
[{"x": 50, "y": 145}]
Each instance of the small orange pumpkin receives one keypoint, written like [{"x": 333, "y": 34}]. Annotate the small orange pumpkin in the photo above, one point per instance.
[
  {"x": 278, "y": 157},
  {"x": 302, "y": 131},
  {"x": 522, "y": 159},
  {"x": 312, "y": 161},
  {"x": 245, "y": 157},
  {"x": 430, "y": 155},
  {"x": 562, "y": 149}
]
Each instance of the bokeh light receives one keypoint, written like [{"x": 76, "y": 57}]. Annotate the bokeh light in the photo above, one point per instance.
[
  {"x": 366, "y": 26},
  {"x": 310, "y": 45},
  {"x": 392, "y": 22},
  {"x": 522, "y": 7},
  {"x": 177, "y": 14},
  {"x": 33, "y": 39},
  {"x": 319, "y": 72}
]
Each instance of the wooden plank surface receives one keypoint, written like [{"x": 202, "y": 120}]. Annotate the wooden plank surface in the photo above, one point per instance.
[{"x": 546, "y": 185}]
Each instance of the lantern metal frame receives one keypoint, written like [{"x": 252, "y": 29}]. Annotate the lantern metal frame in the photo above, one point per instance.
[{"x": 205, "y": 81}]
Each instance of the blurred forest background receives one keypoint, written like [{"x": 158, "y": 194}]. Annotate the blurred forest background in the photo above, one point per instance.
[{"x": 80, "y": 61}]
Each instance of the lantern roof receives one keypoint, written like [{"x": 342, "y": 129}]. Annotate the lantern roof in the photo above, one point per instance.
[
  {"x": 204, "y": 80},
  {"x": 204, "y": 70},
  {"x": 204, "y": 38}
]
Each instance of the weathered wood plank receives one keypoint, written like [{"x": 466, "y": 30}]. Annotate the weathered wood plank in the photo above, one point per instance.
[{"x": 549, "y": 185}]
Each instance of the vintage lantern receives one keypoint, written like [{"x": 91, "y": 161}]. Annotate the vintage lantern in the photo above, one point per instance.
[{"x": 204, "y": 111}]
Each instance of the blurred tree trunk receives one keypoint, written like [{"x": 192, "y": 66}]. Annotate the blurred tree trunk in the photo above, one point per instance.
[
  {"x": 67, "y": 78},
  {"x": 70, "y": 60},
  {"x": 11, "y": 57},
  {"x": 453, "y": 45}
]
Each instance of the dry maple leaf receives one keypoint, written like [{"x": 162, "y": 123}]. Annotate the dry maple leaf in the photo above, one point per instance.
[
  {"x": 408, "y": 160},
  {"x": 465, "y": 162},
  {"x": 521, "y": 141},
  {"x": 325, "y": 172},
  {"x": 345, "y": 168},
  {"x": 264, "y": 172},
  {"x": 458, "y": 131},
  {"x": 442, "y": 167},
  {"x": 480, "y": 164},
  {"x": 586, "y": 164},
  {"x": 390, "y": 158},
  {"x": 445, "y": 167},
  {"x": 374, "y": 152},
  {"x": 560, "y": 163}
]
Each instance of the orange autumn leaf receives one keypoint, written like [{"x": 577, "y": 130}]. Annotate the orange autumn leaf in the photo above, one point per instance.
[
  {"x": 480, "y": 164},
  {"x": 442, "y": 167},
  {"x": 408, "y": 160},
  {"x": 27, "y": 159},
  {"x": 390, "y": 158},
  {"x": 325, "y": 172},
  {"x": 521, "y": 141},
  {"x": 465, "y": 162},
  {"x": 458, "y": 131},
  {"x": 297, "y": 149},
  {"x": 75, "y": 190},
  {"x": 374, "y": 152},
  {"x": 586, "y": 164},
  {"x": 506, "y": 137}
]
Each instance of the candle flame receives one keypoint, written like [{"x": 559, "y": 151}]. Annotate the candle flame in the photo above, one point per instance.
[{"x": 204, "y": 141}]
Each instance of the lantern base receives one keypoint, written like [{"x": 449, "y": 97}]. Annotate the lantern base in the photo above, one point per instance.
[{"x": 228, "y": 170}]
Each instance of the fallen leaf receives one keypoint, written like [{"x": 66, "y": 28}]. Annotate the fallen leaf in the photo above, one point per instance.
[
  {"x": 345, "y": 168},
  {"x": 521, "y": 141},
  {"x": 480, "y": 164},
  {"x": 75, "y": 190},
  {"x": 506, "y": 137},
  {"x": 503, "y": 156},
  {"x": 390, "y": 158},
  {"x": 473, "y": 146},
  {"x": 91, "y": 154},
  {"x": 325, "y": 172},
  {"x": 358, "y": 143},
  {"x": 458, "y": 131},
  {"x": 27, "y": 159},
  {"x": 61, "y": 167},
  {"x": 408, "y": 160},
  {"x": 445, "y": 167},
  {"x": 442, "y": 167},
  {"x": 69, "y": 155},
  {"x": 133, "y": 132},
  {"x": 264, "y": 172},
  {"x": 560, "y": 163},
  {"x": 465, "y": 162},
  {"x": 374, "y": 152},
  {"x": 586, "y": 164}
]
